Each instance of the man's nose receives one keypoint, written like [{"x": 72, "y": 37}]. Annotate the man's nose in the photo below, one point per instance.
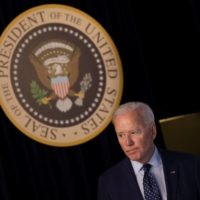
[{"x": 128, "y": 140}]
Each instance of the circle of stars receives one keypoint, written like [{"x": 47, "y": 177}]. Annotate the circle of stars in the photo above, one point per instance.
[{"x": 99, "y": 66}]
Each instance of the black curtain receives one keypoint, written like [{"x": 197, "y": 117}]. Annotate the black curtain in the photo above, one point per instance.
[
  {"x": 169, "y": 34},
  {"x": 31, "y": 170}
]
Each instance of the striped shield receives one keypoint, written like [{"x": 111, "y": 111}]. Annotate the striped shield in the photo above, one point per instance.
[{"x": 60, "y": 86}]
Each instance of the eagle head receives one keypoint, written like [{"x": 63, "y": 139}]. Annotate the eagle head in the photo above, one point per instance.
[{"x": 57, "y": 69}]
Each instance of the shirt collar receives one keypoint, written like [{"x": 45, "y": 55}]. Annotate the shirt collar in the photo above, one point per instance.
[{"x": 154, "y": 161}]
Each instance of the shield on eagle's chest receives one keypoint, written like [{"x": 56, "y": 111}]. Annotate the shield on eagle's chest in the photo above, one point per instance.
[{"x": 60, "y": 86}]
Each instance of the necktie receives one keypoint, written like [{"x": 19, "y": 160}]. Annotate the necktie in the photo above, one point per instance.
[{"x": 151, "y": 191}]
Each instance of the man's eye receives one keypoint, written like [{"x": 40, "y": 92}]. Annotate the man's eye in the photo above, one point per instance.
[{"x": 133, "y": 132}]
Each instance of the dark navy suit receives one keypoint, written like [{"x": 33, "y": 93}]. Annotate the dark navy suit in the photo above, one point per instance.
[{"x": 182, "y": 178}]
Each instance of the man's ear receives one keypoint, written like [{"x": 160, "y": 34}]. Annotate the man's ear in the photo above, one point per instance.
[{"x": 153, "y": 130}]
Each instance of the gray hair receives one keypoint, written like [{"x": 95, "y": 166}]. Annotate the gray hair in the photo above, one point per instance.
[{"x": 143, "y": 109}]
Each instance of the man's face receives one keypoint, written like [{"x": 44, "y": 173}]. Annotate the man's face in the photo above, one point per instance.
[{"x": 135, "y": 138}]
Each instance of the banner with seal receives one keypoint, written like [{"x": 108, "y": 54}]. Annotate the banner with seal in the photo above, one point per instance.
[{"x": 60, "y": 75}]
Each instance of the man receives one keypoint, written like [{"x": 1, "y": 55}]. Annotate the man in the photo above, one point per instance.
[{"x": 147, "y": 172}]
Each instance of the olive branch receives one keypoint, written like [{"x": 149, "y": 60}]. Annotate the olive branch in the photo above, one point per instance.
[{"x": 38, "y": 93}]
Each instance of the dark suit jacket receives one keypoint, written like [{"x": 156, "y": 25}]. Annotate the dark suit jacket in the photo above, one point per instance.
[{"x": 182, "y": 178}]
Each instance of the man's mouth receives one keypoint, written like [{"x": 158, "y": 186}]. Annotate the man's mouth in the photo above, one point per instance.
[{"x": 132, "y": 150}]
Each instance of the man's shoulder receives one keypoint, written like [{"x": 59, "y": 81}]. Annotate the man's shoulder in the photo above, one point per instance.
[
  {"x": 116, "y": 169},
  {"x": 177, "y": 156}
]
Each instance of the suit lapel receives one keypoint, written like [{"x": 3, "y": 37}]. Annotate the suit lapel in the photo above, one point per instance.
[
  {"x": 130, "y": 182},
  {"x": 171, "y": 174}
]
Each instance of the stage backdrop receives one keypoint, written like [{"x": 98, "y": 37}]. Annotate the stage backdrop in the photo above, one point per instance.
[{"x": 32, "y": 170}]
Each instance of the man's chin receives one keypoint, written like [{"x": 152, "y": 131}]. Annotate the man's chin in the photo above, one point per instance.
[{"x": 133, "y": 157}]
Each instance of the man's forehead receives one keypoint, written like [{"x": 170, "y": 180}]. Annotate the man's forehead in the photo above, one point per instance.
[{"x": 134, "y": 117}]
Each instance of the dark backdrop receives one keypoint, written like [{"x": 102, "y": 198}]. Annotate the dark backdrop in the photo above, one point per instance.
[
  {"x": 169, "y": 35},
  {"x": 161, "y": 69}
]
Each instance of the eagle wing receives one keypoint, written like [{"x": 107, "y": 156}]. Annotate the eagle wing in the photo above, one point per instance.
[
  {"x": 41, "y": 71},
  {"x": 73, "y": 69}
]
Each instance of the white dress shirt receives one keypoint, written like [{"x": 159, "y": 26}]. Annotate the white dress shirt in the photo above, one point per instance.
[{"x": 156, "y": 170}]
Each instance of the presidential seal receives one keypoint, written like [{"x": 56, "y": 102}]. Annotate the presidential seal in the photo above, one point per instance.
[{"x": 60, "y": 75}]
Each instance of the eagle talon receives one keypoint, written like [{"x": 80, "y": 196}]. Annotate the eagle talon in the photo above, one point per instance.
[
  {"x": 80, "y": 95},
  {"x": 46, "y": 100}
]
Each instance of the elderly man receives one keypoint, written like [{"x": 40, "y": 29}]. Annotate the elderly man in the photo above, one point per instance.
[{"x": 147, "y": 172}]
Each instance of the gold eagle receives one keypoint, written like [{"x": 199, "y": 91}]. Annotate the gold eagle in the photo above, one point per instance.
[{"x": 46, "y": 74}]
